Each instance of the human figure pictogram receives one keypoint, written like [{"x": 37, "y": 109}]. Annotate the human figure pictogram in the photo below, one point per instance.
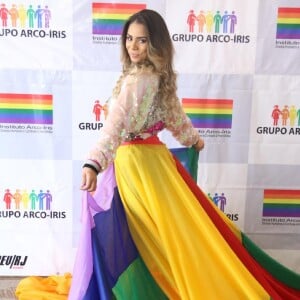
[
  {"x": 97, "y": 110},
  {"x": 224, "y": 21},
  {"x": 210, "y": 197},
  {"x": 201, "y": 21},
  {"x": 4, "y": 14},
  {"x": 298, "y": 115},
  {"x": 105, "y": 110},
  {"x": 25, "y": 199},
  {"x": 217, "y": 21},
  {"x": 22, "y": 16},
  {"x": 293, "y": 115},
  {"x": 30, "y": 16},
  {"x": 18, "y": 198},
  {"x": 38, "y": 15},
  {"x": 191, "y": 20},
  {"x": 7, "y": 198},
  {"x": 275, "y": 115},
  {"x": 48, "y": 200},
  {"x": 47, "y": 15},
  {"x": 222, "y": 201},
  {"x": 233, "y": 22},
  {"x": 41, "y": 197},
  {"x": 216, "y": 199},
  {"x": 33, "y": 199},
  {"x": 14, "y": 15},
  {"x": 285, "y": 115},
  {"x": 209, "y": 21}
]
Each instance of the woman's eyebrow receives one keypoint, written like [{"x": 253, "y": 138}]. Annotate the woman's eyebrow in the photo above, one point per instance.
[{"x": 138, "y": 37}]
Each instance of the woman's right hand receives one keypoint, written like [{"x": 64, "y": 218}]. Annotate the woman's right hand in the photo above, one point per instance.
[
  {"x": 199, "y": 145},
  {"x": 89, "y": 180}
]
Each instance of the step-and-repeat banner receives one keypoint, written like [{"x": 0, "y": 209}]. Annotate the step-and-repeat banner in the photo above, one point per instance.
[{"x": 238, "y": 65}]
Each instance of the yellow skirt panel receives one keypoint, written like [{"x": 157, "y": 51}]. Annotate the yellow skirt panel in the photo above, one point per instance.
[{"x": 179, "y": 243}]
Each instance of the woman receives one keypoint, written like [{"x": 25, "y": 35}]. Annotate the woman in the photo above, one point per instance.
[
  {"x": 183, "y": 250},
  {"x": 160, "y": 237},
  {"x": 145, "y": 99}
]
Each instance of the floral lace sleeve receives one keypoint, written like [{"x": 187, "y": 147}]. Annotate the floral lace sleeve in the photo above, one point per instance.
[
  {"x": 181, "y": 127},
  {"x": 127, "y": 113}
]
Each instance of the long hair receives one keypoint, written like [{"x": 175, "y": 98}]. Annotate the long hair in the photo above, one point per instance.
[{"x": 160, "y": 52}]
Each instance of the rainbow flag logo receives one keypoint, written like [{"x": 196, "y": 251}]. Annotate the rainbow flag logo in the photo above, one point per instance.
[
  {"x": 109, "y": 18},
  {"x": 281, "y": 203},
  {"x": 288, "y": 23},
  {"x": 26, "y": 108},
  {"x": 209, "y": 113}
]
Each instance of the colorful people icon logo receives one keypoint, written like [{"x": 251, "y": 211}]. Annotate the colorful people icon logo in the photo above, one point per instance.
[
  {"x": 288, "y": 116},
  {"x": 225, "y": 23},
  {"x": 22, "y": 14},
  {"x": 22, "y": 199}
]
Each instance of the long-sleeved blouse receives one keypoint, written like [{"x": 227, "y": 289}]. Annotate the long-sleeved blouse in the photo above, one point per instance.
[{"x": 137, "y": 110}]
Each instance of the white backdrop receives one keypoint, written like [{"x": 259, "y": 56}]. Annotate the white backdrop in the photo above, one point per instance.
[{"x": 236, "y": 61}]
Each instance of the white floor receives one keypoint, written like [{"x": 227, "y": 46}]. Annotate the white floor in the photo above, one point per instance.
[{"x": 7, "y": 287}]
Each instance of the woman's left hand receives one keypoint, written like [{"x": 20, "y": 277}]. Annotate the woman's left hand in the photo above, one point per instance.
[{"x": 89, "y": 180}]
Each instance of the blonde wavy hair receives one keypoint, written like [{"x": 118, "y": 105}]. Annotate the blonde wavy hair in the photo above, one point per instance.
[{"x": 160, "y": 54}]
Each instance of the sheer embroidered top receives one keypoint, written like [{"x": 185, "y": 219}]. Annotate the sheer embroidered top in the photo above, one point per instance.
[{"x": 136, "y": 112}]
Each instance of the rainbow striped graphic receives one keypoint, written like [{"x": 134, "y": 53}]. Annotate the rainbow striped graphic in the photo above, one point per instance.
[
  {"x": 281, "y": 203},
  {"x": 288, "y": 23},
  {"x": 209, "y": 113},
  {"x": 26, "y": 109},
  {"x": 109, "y": 18}
]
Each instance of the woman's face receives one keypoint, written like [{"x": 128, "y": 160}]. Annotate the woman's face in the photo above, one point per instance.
[{"x": 137, "y": 42}]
